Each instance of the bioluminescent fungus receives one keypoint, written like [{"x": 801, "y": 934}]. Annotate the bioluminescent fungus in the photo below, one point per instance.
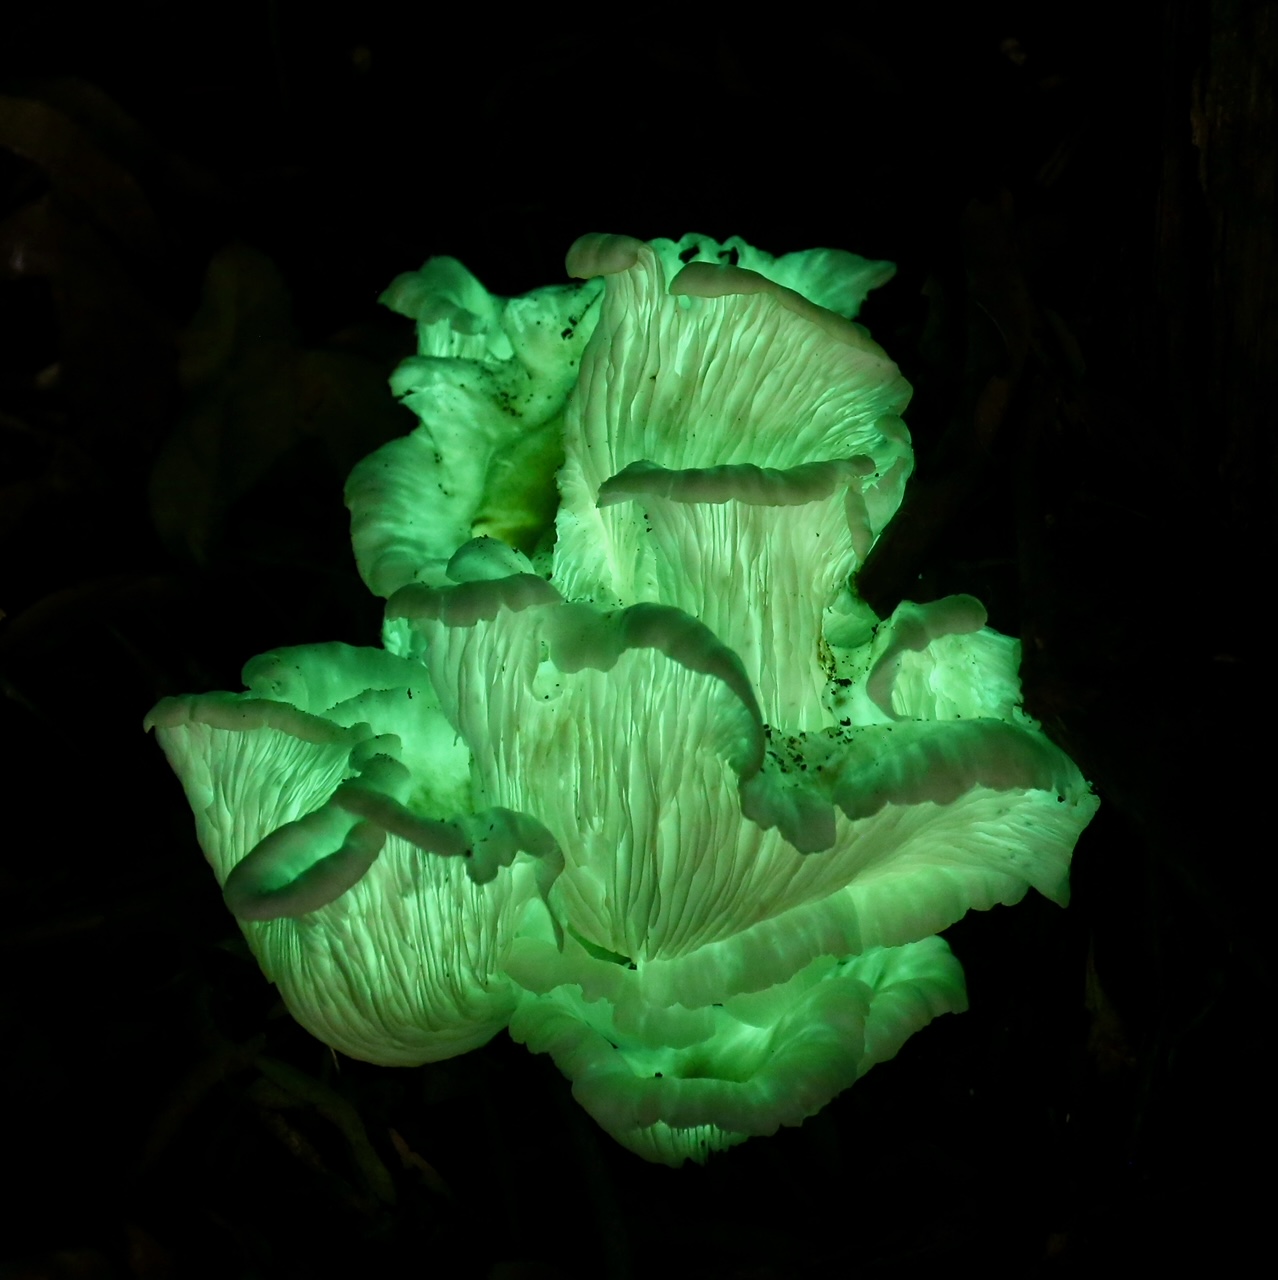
[{"x": 634, "y": 773}]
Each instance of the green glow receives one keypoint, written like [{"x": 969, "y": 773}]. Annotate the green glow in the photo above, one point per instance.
[{"x": 635, "y": 773}]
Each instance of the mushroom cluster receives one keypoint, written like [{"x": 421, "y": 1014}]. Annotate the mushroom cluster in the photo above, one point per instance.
[{"x": 634, "y": 772}]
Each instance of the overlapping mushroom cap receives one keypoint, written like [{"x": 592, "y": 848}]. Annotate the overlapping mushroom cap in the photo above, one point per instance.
[{"x": 711, "y": 811}]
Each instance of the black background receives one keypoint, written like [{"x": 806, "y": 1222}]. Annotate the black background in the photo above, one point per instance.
[{"x": 1080, "y": 199}]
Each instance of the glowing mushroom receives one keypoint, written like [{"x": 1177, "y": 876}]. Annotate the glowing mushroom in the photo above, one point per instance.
[{"x": 636, "y": 773}]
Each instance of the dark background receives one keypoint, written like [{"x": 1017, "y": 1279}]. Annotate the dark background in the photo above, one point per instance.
[{"x": 198, "y": 209}]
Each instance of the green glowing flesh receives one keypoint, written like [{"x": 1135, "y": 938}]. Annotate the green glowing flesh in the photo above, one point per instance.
[{"x": 635, "y": 773}]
